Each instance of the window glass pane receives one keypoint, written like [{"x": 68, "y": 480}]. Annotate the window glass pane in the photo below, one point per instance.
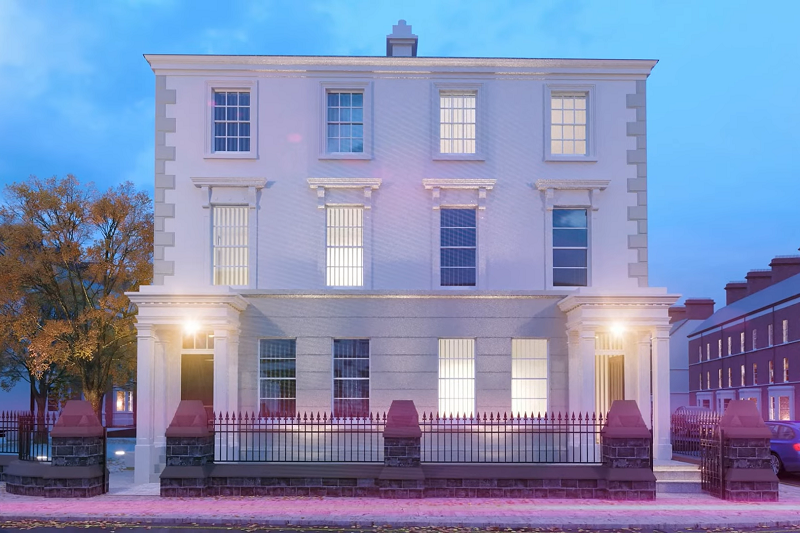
[
  {"x": 458, "y": 277},
  {"x": 458, "y": 218},
  {"x": 458, "y": 236},
  {"x": 458, "y": 257},
  {"x": 219, "y": 98},
  {"x": 570, "y": 237},
  {"x": 457, "y": 122},
  {"x": 569, "y": 258},
  {"x": 277, "y": 386},
  {"x": 569, "y": 277},
  {"x": 456, "y": 376},
  {"x": 569, "y": 218},
  {"x": 244, "y": 99}
]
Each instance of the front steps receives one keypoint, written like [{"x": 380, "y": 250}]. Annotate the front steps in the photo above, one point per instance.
[{"x": 677, "y": 477}]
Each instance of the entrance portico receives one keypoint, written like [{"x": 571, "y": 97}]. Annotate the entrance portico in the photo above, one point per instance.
[
  {"x": 162, "y": 321},
  {"x": 640, "y": 323}
]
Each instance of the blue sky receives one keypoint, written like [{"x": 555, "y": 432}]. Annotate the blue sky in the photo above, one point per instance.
[{"x": 722, "y": 103}]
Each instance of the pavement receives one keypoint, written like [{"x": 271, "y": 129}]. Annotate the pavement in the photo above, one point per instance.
[{"x": 129, "y": 503}]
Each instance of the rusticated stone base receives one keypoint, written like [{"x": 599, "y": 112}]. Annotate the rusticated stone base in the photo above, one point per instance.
[
  {"x": 401, "y": 452},
  {"x": 55, "y": 488}
]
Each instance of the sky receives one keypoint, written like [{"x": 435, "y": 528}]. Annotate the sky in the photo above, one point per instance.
[{"x": 723, "y": 111}]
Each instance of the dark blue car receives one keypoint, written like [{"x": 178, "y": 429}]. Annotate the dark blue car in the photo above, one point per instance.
[{"x": 785, "y": 446}]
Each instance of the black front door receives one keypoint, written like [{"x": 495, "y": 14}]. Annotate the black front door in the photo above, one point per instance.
[{"x": 197, "y": 379}]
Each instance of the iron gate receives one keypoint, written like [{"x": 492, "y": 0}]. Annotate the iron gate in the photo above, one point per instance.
[{"x": 712, "y": 468}]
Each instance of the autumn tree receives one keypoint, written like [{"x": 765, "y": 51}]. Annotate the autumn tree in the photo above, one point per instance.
[{"x": 74, "y": 251}]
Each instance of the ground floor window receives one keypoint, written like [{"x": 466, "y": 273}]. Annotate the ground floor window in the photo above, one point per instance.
[
  {"x": 277, "y": 377},
  {"x": 781, "y": 403},
  {"x": 456, "y": 376},
  {"x": 528, "y": 376},
  {"x": 351, "y": 377},
  {"x": 123, "y": 401}
]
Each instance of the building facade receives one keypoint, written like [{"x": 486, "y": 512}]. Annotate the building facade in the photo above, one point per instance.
[
  {"x": 684, "y": 319},
  {"x": 334, "y": 233},
  {"x": 750, "y": 349}
]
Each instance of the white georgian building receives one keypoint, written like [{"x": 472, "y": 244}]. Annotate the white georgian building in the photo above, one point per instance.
[{"x": 334, "y": 233}]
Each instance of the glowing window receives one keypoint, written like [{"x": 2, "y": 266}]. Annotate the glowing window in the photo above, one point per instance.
[
  {"x": 529, "y": 376},
  {"x": 351, "y": 377},
  {"x": 568, "y": 134},
  {"x": 755, "y": 339},
  {"x": 457, "y": 122},
  {"x": 230, "y": 245},
  {"x": 755, "y": 374},
  {"x": 345, "y": 246},
  {"x": 769, "y": 335},
  {"x": 277, "y": 391},
  {"x": 730, "y": 377},
  {"x": 785, "y": 328},
  {"x": 456, "y": 376},
  {"x": 124, "y": 401},
  {"x": 741, "y": 342},
  {"x": 743, "y": 372},
  {"x": 785, "y": 369}
]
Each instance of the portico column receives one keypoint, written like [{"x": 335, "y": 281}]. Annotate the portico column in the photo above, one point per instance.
[
  {"x": 160, "y": 381},
  {"x": 582, "y": 370},
  {"x": 643, "y": 393},
  {"x": 222, "y": 371},
  {"x": 145, "y": 421},
  {"x": 662, "y": 447}
]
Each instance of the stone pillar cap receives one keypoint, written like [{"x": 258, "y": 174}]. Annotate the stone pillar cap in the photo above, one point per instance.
[
  {"x": 402, "y": 420},
  {"x": 77, "y": 419},
  {"x": 625, "y": 421},
  {"x": 742, "y": 420},
  {"x": 190, "y": 420}
]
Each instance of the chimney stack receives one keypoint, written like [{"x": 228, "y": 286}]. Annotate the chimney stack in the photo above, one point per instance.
[
  {"x": 735, "y": 291},
  {"x": 676, "y": 313},
  {"x": 699, "y": 308},
  {"x": 401, "y": 43},
  {"x": 784, "y": 266},
  {"x": 757, "y": 280}
]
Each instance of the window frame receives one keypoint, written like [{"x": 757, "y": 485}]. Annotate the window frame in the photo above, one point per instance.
[
  {"x": 591, "y": 105},
  {"x": 776, "y": 392},
  {"x": 477, "y": 247},
  {"x": 259, "y": 378},
  {"x": 328, "y": 247},
  {"x": 233, "y": 84},
  {"x": 364, "y": 87},
  {"x": 546, "y": 378},
  {"x": 368, "y": 378},
  {"x": 439, "y": 377},
  {"x": 128, "y": 400},
  {"x": 249, "y": 247},
  {"x": 480, "y": 104},
  {"x": 549, "y": 260}
]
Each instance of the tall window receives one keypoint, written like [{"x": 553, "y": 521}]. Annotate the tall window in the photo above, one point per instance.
[
  {"x": 708, "y": 380},
  {"x": 719, "y": 378},
  {"x": 743, "y": 375},
  {"x": 529, "y": 376},
  {"x": 277, "y": 375},
  {"x": 730, "y": 377},
  {"x": 457, "y": 122},
  {"x": 755, "y": 339},
  {"x": 755, "y": 374},
  {"x": 351, "y": 377},
  {"x": 345, "y": 250},
  {"x": 345, "y": 122},
  {"x": 741, "y": 342},
  {"x": 785, "y": 369},
  {"x": 456, "y": 376},
  {"x": 124, "y": 401},
  {"x": 708, "y": 351},
  {"x": 230, "y": 245},
  {"x": 771, "y": 372},
  {"x": 719, "y": 348},
  {"x": 769, "y": 335},
  {"x": 785, "y": 328},
  {"x": 570, "y": 248},
  {"x": 729, "y": 345},
  {"x": 458, "y": 231},
  {"x": 231, "y": 121},
  {"x": 568, "y": 134}
]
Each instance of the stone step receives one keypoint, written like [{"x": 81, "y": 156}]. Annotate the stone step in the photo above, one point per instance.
[
  {"x": 679, "y": 487},
  {"x": 677, "y": 475}
]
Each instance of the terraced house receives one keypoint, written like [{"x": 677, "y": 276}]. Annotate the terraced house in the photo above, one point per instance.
[{"x": 334, "y": 233}]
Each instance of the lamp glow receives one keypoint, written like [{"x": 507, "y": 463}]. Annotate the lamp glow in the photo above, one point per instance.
[
  {"x": 617, "y": 329},
  {"x": 190, "y": 327},
  {"x": 119, "y": 452}
]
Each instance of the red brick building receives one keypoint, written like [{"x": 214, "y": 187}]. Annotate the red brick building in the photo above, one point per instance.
[{"x": 750, "y": 349}]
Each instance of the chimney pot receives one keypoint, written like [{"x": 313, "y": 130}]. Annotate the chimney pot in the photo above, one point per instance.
[
  {"x": 784, "y": 267},
  {"x": 699, "y": 308},
  {"x": 401, "y": 42}
]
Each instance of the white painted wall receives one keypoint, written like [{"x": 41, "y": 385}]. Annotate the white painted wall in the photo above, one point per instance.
[{"x": 291, "y": 228}]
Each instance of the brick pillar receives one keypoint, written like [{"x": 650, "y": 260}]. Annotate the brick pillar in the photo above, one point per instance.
[
  {"x": 402, "y": 475},
  {"x": 746, "y": 455},
  {"x": 190, "y": 451},
  {"x": 626, "y": 454},
  {"x": 77, "y": 468}
]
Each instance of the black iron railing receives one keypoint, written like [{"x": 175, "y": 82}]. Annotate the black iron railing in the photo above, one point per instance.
[
  {"x": 27, "y": 435},
  {"x": 492, "y": 438},
  {"x": 302, "y": 438},
  {"x": 689, "y": 429}
]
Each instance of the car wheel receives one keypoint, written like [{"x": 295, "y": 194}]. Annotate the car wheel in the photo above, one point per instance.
[{"x": 775, "y": 463}]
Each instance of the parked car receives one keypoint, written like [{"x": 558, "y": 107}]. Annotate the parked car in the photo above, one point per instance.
[{"x": 785, "y": 446}]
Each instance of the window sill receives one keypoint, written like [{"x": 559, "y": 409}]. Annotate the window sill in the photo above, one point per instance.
[
  {"x": 230, "y": 155},
  {"x": 458, "y": 157},
  {"x": 571, "y": 158},
  {"x": 339, "y": 156}
]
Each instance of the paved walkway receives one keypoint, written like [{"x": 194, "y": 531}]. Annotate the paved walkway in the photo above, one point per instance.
[{"x": 127, "y": 503}]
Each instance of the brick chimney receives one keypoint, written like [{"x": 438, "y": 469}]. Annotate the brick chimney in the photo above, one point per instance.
[
  {"x": 757, "y": 280},
  {"x": 676, "y": 313},
  {"x": 699, "y": 308},
  {"x": 735, "y": 291},
  {"x": 784, "y": 266},
  {"x": 401, "y": 42}
]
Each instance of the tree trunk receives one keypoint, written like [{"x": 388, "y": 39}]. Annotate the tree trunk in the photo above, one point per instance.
[{"x": 95, "y": 398}]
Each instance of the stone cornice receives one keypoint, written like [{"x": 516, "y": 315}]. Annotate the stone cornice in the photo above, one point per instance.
[
  {"x": 456, "y": 183},
  {"x": 394, "y": 295},
  {"x": 258, "y": 183},
  {"x": 402, "y": 65},
  {"x": 234, "y": 301},
  {"x": 574, "y": 301},
  {"x": 582, "y": 185},
  {"x": 344, "y": 183}
]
